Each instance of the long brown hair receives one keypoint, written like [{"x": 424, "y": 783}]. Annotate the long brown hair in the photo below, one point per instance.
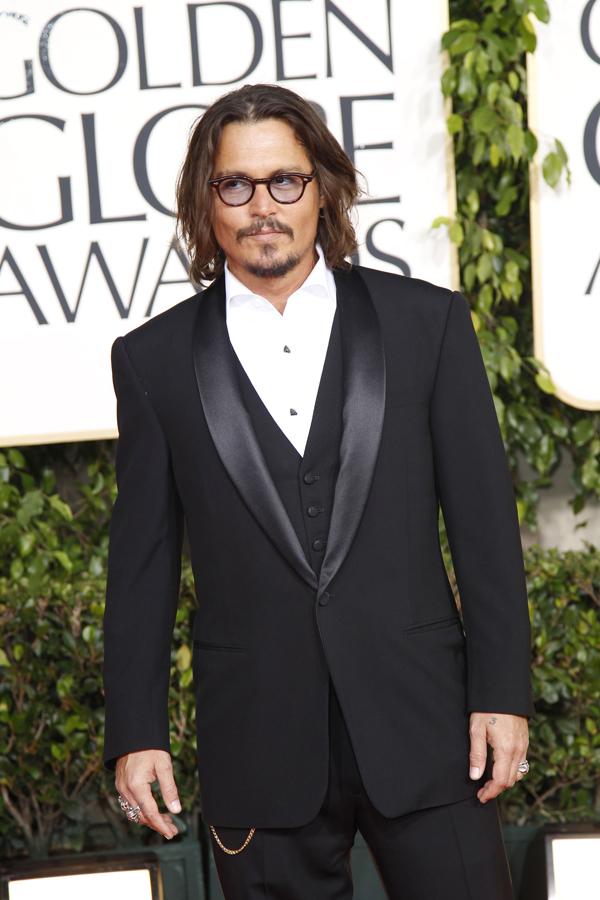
[{"x": 336, "y": 175}]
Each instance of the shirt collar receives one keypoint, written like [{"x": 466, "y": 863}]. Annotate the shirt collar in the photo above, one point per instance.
[{"x": 319, "y": 281}]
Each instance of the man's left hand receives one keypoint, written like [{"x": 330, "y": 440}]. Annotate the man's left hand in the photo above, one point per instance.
[{"x": 508, "y": 736}]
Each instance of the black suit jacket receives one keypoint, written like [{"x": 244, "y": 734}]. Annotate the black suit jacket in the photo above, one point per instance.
[{"x": 419, "y": 429}]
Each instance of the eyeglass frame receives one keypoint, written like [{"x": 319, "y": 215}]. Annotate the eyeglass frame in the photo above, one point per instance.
[{"x": 215, "y": 182}]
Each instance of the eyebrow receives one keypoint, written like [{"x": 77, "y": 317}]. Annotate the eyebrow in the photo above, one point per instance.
[{"x": 281, "y": 171}]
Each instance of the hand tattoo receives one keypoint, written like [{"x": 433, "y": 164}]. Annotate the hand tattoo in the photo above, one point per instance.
[{"x": 493, "y": 720}]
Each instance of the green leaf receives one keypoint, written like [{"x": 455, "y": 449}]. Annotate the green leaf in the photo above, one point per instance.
[
  {"x": 462, "y": 43},
  {"x": 32, "y": 505},
  {"x": 183, "y": 658},
  {"x": 4, "y": 660},
  {"x": 540, "y": 9},
  {"x": 531, "y": 144},
  {"x": 492, "y": 92},
  {"x": 449, "y": 81},
  {"x": 479, "y": 151},
  {"x": 63, "y": 559},
  {"x": 16, "y": 569},
  {"x": 454, "y": 123},
  {"x": 482, "y": 63},
  {"x": 64, "y": 685},
  {"x": 561, "y": 152},
  {"x": 516, "y": 141},
  {"x": 487, "y": 240},
  {"x": 545, "y": 383},
  {"x": 514, "y": 81},
  {"x": 467, "y": 86},
  {"x": 484, "y": 267},
  {"x": 486, "y": 298},
  {"x": 511, "y": 271},
  {"x": 26, "y": 543},
  {"x": 61, "y": 507},
  {"x": 583, "y": 431},
  {"x": 469, "y": 274},
  {"x": 507, "y": 198},
  {"x": 484, "y": 120},
  {"x": 495, "y": 155},
  {"x": 551, "y": 169},
  {"x": 473, "y": 202},
  {"x": 16, "y": 458},
  {"x": 527, "y": 24},
  {"x": 590, "y": 473},
  {"x": 58, "y": 752},
  {"x": 456, "y": 233}
]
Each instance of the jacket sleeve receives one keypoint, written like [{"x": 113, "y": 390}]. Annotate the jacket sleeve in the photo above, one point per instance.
[
  {"x": 144, "y": 567},
  {"x": 476, "y": 494}
]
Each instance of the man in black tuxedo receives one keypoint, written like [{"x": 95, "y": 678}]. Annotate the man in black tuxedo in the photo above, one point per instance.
[{"x": 306, "y": 418}]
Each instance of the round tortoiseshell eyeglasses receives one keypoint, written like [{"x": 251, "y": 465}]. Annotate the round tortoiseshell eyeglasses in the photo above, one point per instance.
[{"x": 236, "y": 190}]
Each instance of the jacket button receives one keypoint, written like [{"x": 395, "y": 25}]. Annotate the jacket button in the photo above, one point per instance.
[
  {"x": 310, "y": 477},
  {"x": 318, "y": 544},
  {"x": 324, "y": 600},
  {"x": 315, "y": 510}
]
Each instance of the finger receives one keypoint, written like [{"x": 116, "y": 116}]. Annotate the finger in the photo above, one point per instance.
[
  {"x": 478, "y": 749},
  {"x": 162, "y": 823},
  {"x": 491, "y": 790},
  {"x": 167, "y": 822},
  {"x": 483, "y": 794},
  {"x": 500, "y": 779},
  {"x": 141, "y": 819},
  {"x": 168, "y": 788},
  {"x": 504, "y": 770}
]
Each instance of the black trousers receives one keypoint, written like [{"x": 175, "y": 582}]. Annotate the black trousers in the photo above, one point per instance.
[{"x": 450, "y": 852}]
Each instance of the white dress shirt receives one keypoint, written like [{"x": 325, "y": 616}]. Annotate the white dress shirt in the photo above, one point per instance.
[{"x": 283, "y": 353}]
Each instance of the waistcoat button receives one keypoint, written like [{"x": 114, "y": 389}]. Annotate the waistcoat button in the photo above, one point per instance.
[
  {"x": 314, "y": 511},
  {"x": 318, "y": 544},
  {"x": 310, "y": 477}
]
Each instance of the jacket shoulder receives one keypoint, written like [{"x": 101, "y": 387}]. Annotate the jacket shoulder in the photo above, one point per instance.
[
  {"x": 395, "y": 288},
  {"x": 166, "y": 333},
  {"x": 166, "y": 322}
]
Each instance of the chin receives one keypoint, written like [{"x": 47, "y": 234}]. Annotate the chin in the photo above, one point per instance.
[{"x": 276, "y": 267}]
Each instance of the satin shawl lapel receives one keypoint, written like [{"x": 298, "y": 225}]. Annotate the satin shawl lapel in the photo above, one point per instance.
[
  {"x": 231, "y": 429},
  {"x": 364, "y": 402}
]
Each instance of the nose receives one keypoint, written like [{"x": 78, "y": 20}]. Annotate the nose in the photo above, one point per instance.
[{"x": 262, "y": 204}]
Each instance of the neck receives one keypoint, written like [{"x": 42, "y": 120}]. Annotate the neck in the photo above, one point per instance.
[{"x": 277, "y": 290}]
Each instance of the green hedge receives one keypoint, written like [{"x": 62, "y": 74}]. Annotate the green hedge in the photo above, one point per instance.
[{"x": 53, "y": 549}]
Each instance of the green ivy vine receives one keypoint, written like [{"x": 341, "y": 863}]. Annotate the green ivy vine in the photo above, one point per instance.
[{"x": 485, "y": 80}]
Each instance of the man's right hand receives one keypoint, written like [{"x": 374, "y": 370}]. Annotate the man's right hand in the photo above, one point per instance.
[{"x": 135, "y": 772}]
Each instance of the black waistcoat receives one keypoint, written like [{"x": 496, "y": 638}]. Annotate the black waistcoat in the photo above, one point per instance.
[{"x": 305, "y": 483}]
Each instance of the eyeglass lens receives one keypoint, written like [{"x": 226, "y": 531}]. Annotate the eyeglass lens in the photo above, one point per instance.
[{"x": 284, "y": 188}]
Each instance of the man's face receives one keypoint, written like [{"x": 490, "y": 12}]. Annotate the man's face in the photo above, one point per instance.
[{"x": 289, "y": 231}]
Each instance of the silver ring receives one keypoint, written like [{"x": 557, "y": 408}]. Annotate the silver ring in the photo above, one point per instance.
[
  {"x": 131, "y": 812},
  {"x": 523, "y": 767}
]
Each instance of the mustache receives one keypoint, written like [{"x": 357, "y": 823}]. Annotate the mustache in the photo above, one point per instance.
[{"x": 270, "y": 223}]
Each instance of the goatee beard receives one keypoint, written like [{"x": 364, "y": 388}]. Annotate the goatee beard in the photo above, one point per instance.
[{"x": 275, "y": 270}]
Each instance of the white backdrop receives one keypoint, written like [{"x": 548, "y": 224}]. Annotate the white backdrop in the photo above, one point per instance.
[
  {"x": 97, "y": 106},
  {"x": 564, "y": 102}
]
